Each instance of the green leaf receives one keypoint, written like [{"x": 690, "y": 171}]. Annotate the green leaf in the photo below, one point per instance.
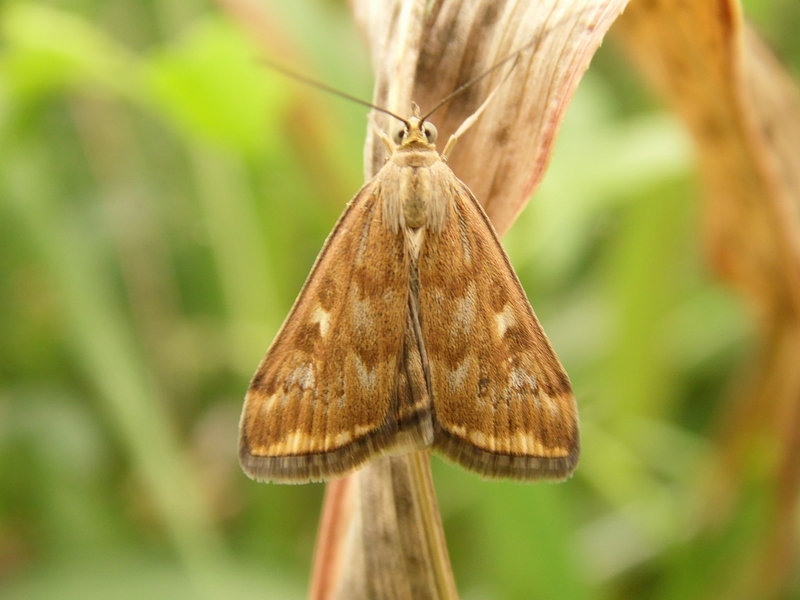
[
  {"x": 49, "y": 49},
  {"x": 211, "y": 86}
]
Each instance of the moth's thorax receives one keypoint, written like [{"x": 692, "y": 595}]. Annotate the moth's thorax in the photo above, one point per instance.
[{"x": 415, "y": 189}]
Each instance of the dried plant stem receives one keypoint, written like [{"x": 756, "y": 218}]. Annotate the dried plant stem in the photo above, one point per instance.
[
  {"x": 431, "y": 519},
  {"x": 381, "y": 536}
]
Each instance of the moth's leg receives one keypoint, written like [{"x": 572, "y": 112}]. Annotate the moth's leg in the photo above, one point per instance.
[
  {"x": 390, "y": 147},
  {"x": 468, "y": 122}
]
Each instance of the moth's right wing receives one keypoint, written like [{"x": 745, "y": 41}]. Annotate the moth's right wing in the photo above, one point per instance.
[
  {"x": 325, "y": 397},
  {"x": 502, "y": 403}
]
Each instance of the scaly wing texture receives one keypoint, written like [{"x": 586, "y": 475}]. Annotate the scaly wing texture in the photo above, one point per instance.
[
  {"x": 325, "y": 397},
  {"x": 502, "y": 403}
]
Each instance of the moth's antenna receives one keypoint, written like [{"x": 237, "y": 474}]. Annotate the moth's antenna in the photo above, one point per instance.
[
  {"x": 476, "y": 79},
  {"x": 514, "y": 56},
  {"x": 326, "y": 88}
]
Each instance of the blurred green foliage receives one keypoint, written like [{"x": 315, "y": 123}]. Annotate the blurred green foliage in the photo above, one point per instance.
[{"x": 162, "y": 198}]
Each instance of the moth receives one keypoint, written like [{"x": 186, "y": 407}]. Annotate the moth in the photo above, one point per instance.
[{"x": 412, "y": 332}]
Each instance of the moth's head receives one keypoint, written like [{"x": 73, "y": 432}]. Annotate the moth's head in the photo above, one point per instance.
[{"x": 414, "y": 132}]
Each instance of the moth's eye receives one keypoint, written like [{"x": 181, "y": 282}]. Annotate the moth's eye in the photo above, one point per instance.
[
  {"x": 399, "y": 133},
  {"x": 429, "y": 129}
]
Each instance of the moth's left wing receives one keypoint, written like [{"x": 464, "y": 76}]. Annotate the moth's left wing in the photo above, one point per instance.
[
  {"x": 502, "y": 403},
  {"x": 340, "y": 383}
]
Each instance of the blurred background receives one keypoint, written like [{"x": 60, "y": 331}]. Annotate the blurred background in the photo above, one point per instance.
[{"x": 162, "y": 199}]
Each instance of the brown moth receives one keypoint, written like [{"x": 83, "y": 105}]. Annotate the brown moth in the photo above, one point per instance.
[{"x": 411, "y": 332}]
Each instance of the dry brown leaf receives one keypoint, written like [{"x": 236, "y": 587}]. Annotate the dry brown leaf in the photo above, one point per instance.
[
  {"x": 423, "y": 53},
  {"x": 744, "y": 113}
]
